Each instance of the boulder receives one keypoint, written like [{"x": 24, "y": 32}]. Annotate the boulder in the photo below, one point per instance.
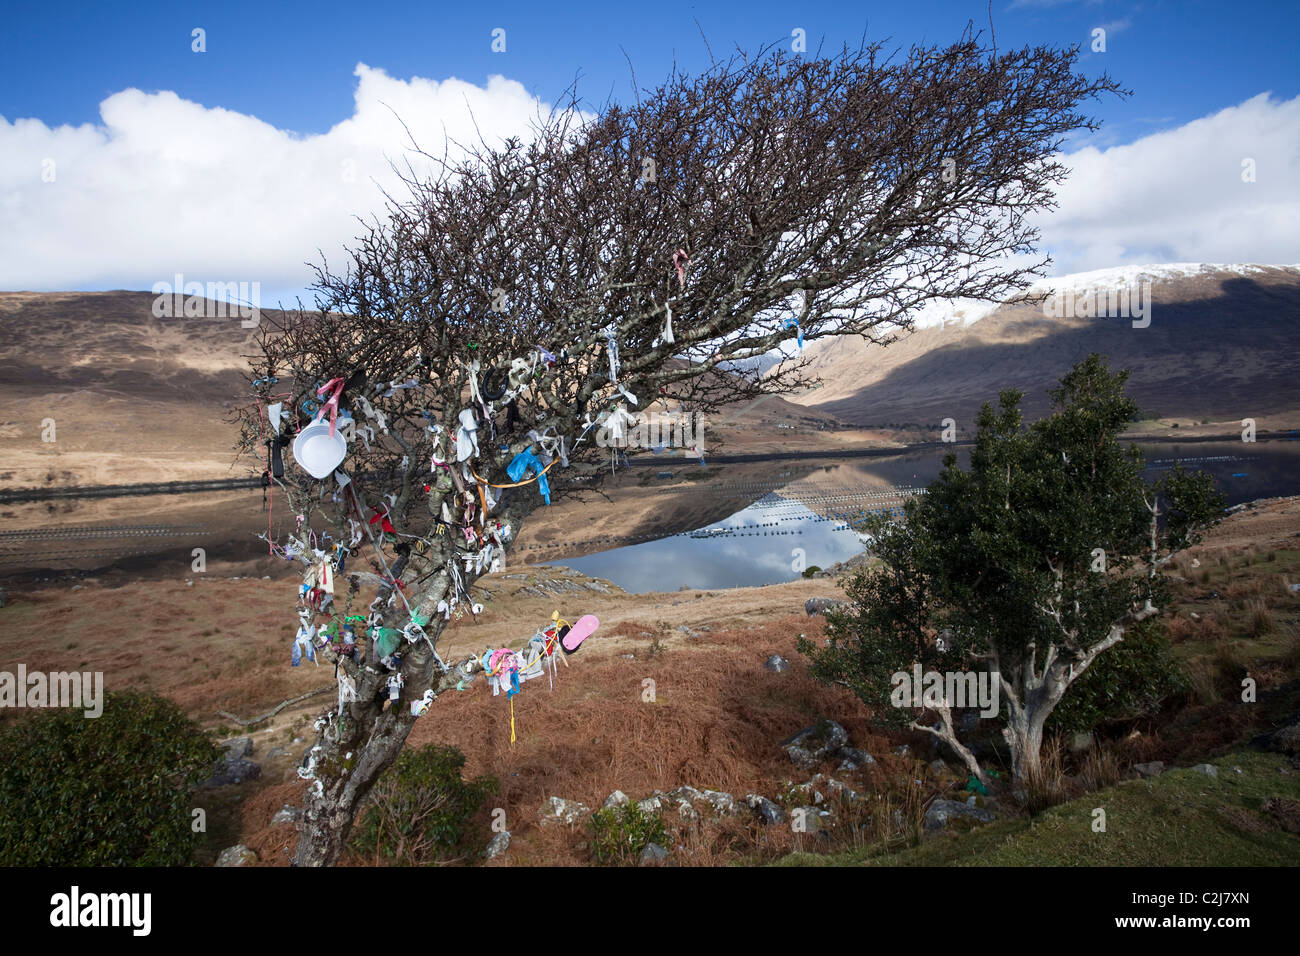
[
  {"x": 809, "y": 819},
  {"x": 808, "y": 791},
  {"x": 942, "y": 811},
  {"x": 239, "y": 747},
  {"x": 820, "y": 605},
  {"x": 686, "y": 792},
  {"x": 653, "y": 803},
  {"x": 1153, "y": 769},
  {"x": 686, "y": 810},
  {"x": 616, "y": 799},
  {"x": 721, "y": 802},
  {"x": 1209, "y": 769},
  {"x": 776, "y": 664},
  {"x": 558, "y": 810},
  {"x": 653, "y": 855},
  {"x": 852, "y": 758},
  {"x": 231, "y": 770},
  {"x": 1286, "y": 739},
  {"x": 498, "y": 845},
  {"x": 237, "y": 855},
  {"x": 765, "y": 808},
  {"x": 813, "y": 744}
]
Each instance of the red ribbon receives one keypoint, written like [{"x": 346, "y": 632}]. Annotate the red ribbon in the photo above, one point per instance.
[{"x": 336, "y": 384}]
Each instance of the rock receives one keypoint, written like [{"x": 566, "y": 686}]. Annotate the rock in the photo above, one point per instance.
[
  {"x": 813, "y": 744},
  {"x": 498, "y": 845},
  {"x": 237, "y": 855},
  {"x": 765, "y": 808},
  {"x": 1286, "y": 739},
  {"x": 616, "y": 799},
  {"x": 286, "y": 814},
  {"x": 839, "y": 788},
  {"x": 231, "y": 770},
  {"x": 809, "y": 819},
  {"x": 687, "y": 793},
  {"x": 938, "y": 766},
  {"x": 686, "y": 810},
  {"x": 652, "y": 804},
  {"x": 1080, "y": 742},
  {"x": 653, "y": 855},
  {"x": 1209, "y": 769},
  {"x": 942, "y": 811},
  {"x": 820, "y": 605},
  {"x": 276, "y": 752},
  {"x": 809, "y": 791},
  {"x": 558, "y": 810},
  {"x": 1153, "y": 769},
  {"x": 902, "y": 751},
  {"x": 721, "y": 802},
  {"x": 853, "y": 758},
  {"x": 239, "y": 747},
  {"x": 776, "y": 664}
]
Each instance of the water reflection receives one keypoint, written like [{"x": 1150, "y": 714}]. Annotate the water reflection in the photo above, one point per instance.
[
  {"x": 756, "y": 546},
  {"x": 753, "y": 547}
]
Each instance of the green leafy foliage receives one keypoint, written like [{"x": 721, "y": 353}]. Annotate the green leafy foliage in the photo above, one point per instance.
[
  {"x": 620, "y": 834},
  {"x": 1133, "y": 679},
  {"x": 115, "y": 790},
  {"x": 1036, "y": 552},
  {"x": 421, "y": 809}
]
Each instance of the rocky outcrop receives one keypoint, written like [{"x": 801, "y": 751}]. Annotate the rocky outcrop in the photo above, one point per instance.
[
  {"x": 820, "y": 605},
  {"x": 237, "y": 855},
  {"x": 559, "y": 810},
  {"x": 942, "y": 812},
  {"x": 813, "y": 744}
]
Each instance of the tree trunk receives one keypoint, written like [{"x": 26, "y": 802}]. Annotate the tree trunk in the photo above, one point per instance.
[
  {"x": 1024, "y": 735},
  {"x": 363, "y": 739},
  {"x": 335, "y": 797}
]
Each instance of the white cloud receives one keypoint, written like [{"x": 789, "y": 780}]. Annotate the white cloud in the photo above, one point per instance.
[
  {"x": 163, "y": 185},
  {"x": 1178, "y": 195}
]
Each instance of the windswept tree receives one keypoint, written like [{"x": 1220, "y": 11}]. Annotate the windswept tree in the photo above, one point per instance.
[
  {"x": 1025, "y": 567},
  {"x": 530, "y": 293}
]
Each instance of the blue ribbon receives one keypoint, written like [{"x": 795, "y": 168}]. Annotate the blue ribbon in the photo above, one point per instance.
[{"x": 519, "y": 467}]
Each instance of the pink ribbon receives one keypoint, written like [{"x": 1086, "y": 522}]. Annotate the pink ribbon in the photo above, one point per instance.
[
  {"x": 680, "y": 260},
  {"x": 335, "y": 384}
]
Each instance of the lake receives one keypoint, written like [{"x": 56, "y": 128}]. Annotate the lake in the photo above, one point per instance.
[{"x": 761, "y": 544}]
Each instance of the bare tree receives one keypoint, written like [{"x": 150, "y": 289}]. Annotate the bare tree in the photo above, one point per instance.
[{"x": 539, "y": 290}]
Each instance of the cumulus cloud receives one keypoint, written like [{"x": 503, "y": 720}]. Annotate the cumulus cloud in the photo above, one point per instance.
[
  {"x": 163, "y": 185},
  {"x": 1179, "y": 195}
]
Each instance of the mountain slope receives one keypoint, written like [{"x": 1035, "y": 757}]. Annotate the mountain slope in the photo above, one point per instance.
[{"x": 1221, "y": 344}]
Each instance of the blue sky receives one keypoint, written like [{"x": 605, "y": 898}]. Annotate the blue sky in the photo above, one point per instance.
[
  {"x": 276, "y": 76},
  {"x": 290, "y": 64}
]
